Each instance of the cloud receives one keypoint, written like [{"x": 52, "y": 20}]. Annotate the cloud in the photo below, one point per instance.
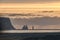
[{"x": 32, "y": 15}]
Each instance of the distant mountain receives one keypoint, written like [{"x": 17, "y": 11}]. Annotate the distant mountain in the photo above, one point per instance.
[{"x": 5, "y": 24}]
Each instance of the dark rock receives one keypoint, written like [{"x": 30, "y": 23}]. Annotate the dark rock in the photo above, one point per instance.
[{"x": 5, "y": 24}]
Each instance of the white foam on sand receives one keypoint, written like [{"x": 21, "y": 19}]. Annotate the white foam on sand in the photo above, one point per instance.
[{"x": 29, "y": 31}]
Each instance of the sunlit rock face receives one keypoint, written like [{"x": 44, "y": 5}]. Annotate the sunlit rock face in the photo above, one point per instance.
[{"x": 5, "y": 24}]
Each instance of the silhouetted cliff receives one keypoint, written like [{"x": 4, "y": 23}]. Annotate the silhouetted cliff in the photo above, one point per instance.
[{"x": 5, "y": 24}]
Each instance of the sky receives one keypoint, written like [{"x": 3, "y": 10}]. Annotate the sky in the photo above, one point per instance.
[
  {"x": 31, "y": 1},
  {"x": 30, "y": 6}
]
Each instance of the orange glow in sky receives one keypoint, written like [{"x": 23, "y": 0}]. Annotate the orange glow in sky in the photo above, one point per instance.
[{"x": 29, "y": 7}]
